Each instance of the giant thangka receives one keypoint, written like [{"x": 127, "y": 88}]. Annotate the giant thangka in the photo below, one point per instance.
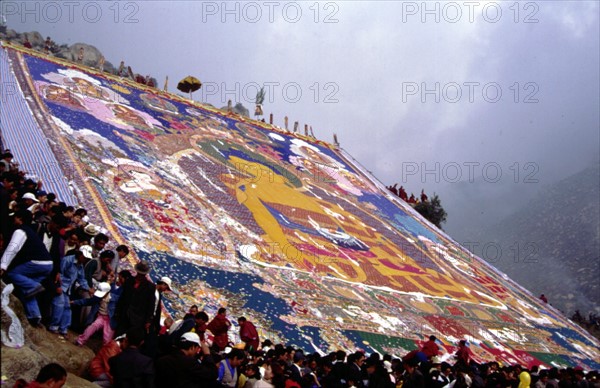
[{"x": 281, "y": 228}]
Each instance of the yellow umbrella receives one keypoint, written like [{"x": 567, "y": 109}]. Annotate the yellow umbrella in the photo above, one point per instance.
[{"x": 189, "y": 85}]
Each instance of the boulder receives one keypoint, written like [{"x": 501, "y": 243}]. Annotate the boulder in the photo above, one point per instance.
[
  {"x": 41, "y": 348},
  {"x": 238, "y": 108}
]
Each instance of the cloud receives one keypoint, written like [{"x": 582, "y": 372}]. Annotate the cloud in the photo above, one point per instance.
[{"x": 353, "y": 74}]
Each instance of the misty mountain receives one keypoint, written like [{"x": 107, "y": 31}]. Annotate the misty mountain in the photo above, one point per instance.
[
  {"x": 552, "y": 244},
  {"x": 479, "y": 204}
]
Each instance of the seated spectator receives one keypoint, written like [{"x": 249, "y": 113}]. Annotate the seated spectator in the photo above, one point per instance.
[
  {"x": 228, "y": 375},
  {"x": 181, "y": 368},
  {"x": 50, "y": 376},
  {"x": 543, "y": 380},
  {"x": 266, "y": 380},
  {"x": 131, "y": 368},
  {"x": 413, "y": 378},
  {"x": 26, "y": 265},
  {"x": 99, "y": 369},
  {"x": 201, "y": 321},
  {"x": 48, "y": 45},
  {"x": 164, "y": 328},
  {"x": 377, "y": 375},
  {"x": 80, "y": 55},
  {"x": 524, "y": 377},
  {"x": 252, "y": 374},
  {"x": 27, "y": 43},
  {"x": 188, "y": 324},
  {"x": 150, "y": 82},
  {"x": 297, "y": 371}
]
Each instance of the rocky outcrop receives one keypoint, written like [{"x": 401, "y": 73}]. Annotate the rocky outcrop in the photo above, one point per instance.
[
  {"x": 91, "y": 55},
  {"x": 239, "y": 109},
  {"x": 41, "y": 348}
]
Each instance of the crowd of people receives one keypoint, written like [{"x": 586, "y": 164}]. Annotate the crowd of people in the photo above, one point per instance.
[
  {"x": 190, "y": 362},
  {"x": 70, "y": 281},
  {"x": 592, "y": 320},
  {"x": 401, "y": 193}
]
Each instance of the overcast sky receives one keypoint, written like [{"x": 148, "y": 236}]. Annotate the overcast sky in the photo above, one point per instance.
[{"x": 405, "y": 85}]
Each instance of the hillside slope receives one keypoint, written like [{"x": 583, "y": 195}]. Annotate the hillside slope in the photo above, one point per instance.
[
  {"x": 567, "y": 267},
  {"x": 281, "y": 228}
]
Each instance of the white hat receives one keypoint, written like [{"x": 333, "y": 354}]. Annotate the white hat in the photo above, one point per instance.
[
  {"x": 167, "y": 281},
  {"x": 191, "y": 337},
  {"x": 86, "y": 250},
  {"x": 91, "y": 229},
  {"x": 388, "y": 366},
  {"x": 30, "y": 196},
  {"x": 102, "y": 289}
]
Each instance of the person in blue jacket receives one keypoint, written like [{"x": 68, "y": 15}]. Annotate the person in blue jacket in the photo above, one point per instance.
[{"x": 71, "y": 276}]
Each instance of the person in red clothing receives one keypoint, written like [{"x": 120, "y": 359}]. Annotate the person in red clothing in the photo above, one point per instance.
[
  {"x": 248, "y": 334},
  {"x": 50, "y": 376},
  {"x": 27, "y": 43},
  {"x": 201, "y": 320},
  {"x": 463, "y": 354},
  {"x": 402, "y": 194},
  {"x": 99, "y": 369},
  {"x": 430, "y": 348},
  {"x": 219, "y": 327}
]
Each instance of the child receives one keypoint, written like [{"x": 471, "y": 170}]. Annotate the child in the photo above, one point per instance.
[{"x": 100, "y": 303}]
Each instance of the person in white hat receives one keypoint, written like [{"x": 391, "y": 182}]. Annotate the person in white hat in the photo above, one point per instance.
[
  {"x": 91, "y": 269},
  {"x": 101, "y": 314},
  {"x": 151, "y": 344},
  {"x": 30, "y": 202},
  {"x": 91, "y": 229},
  {"x": 181, "y": 368}
]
